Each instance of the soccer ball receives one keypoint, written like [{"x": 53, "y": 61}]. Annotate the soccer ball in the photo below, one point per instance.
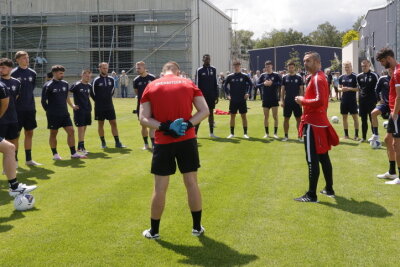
[
  {"x": 385, "y": 124},
  {"x": 335, "y": 119},
  {"x": 375, "y": 144},
  {"x": 24, "y": 202}
]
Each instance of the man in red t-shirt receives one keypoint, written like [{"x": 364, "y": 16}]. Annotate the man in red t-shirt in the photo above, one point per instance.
[
  {"x": 318, "y": 133},
  {"x": 387, "y": 59},
  {"x": 167, "y": 105}
]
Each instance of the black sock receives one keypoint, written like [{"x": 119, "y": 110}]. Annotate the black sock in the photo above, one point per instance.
[
  {"x": 54, "y": 151},
  {"x": 116, "y": 138},
  {"x": 13, "y": 183},
  {"x": 103, "y": 141},
  {"x": 275, "y": 130},
  {"x": 266, "y": 130},
  {"x": 356, "y": 132},
  {"x": 146, "y": 140},
  {"x": 211, "y": 128},
  {"x": 232, "y": 130},
  {"x": 72, "y": 149},
  {"x": 286, "y": 135},
  {"x": 152, "y": 142},
  {"x": 346, "y": 132},
  {"x": 155, "y": 226},
  {"x": 16, "y": 155},
  {"x": 375, "y": 130},
  {"x": 28, "y": 155},
  {"x": 81, "y": 145},
  {"x": 196, "y": 215},
  {"x": 392, "y": 167},
  {"x": 245, "y": 130}
]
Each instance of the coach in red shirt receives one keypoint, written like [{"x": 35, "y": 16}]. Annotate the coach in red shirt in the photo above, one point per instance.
[
  {"x": 318, "y": 133},
  {"x": 167, "y": 105}
]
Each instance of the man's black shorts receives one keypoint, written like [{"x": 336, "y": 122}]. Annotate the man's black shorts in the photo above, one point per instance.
[
  {"x": 383, "y": 108},
  {"x": 234, "y": 107},
  {"x": 210, "y": 102},
  {"x": 292, "y": 107},
  {"x": 270, "y": 103},
  {"x": 394, "y": 127},
  {"x": 348, "y": 107},
  {"x": 27, "y": 120},
  {"x": 366, "y": 107},
  {"x": 57, "y": 122},
  {"x": 82, "y": 118},
  {"x": 166, "y": 156},
  {"x": 102, "y": 115},
  {"x": 9, "y": 131}
]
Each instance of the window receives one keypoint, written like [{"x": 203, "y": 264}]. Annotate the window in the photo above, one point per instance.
[{"x": 151, "y": 27}]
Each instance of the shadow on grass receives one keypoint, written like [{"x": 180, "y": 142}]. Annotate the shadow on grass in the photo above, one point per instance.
[
  {"x": 16, "y": 215},
  {"x": 345, "y": 143},
  {"x": 364, "y": 208},
  {"x": 118, "y": 150},
  {"x": 224, "y": 140},
  {"x": 34, "y": 172},
  {"x": 73, "y": 163},
  {"x": 211, "y": 253},
  {"x": 100, "y": 155}
]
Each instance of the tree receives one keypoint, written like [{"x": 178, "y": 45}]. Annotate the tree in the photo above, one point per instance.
[
  {"x": 326, "y": 35},
  {"x": 294, "y": 56},
  {"x": 350, "y": 36},
  {"x": 281, "y": 37},
  {"x": 244, "y": 40},
  {"x": 357, "y": 24}
]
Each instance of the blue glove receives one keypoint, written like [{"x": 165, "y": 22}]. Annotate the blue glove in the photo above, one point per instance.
[{"x": 179, "y": 127}]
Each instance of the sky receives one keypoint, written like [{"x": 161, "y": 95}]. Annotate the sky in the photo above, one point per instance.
[{"x": 261, "y": 16}]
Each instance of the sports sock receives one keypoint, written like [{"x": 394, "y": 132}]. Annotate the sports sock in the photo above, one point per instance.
[
  {"x": 232, "y": 130},
  {"x": 196, "y": 215},
  {"x": 28, "y": 155},
  {"x": 392, "y": 167},
  {"x": 81, "y": 145},
  {"x": 152, "y": 142},
  {"x": 375, "y": 130},
  {"x": 54, "y": 151},
  {"x": 346, "y": 132},
  {"x": 146, "y": 140},
  {"x": 245, "y": 130},
  {"x": 356, "y": 133},
  {"x": 155, "y": 226},
  {"x": 286, "y": 135},
  {"x": 266, "y": 130},
  {"x": 13, "y": 183},
  {"x": 275, "y": 130},
  {"x": 103, "y": 141},
  {"x": 72, "y": 149},
  {"x": 116, "y": 138},
  {"x": 211, "y": 128}
]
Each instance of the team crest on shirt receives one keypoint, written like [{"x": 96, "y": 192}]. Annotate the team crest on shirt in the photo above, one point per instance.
[
  {"x": 30, "y": 79},
  {"x": 385, "y": 83},
  {"x": 109, "y": 83},
  {"x": 140, "y": 83},
  {"x": 64, "y": 89},
  {"x": 212, "y": 73},
  {"x": 350, "y": 80},
  {"x": 13, "y": 88},
  {"x": 296, "y": 81},
  {"x": 204, "y": 74},
  {"x": 370, "y": 79},
  {"x": 81, "y": 90},
  {"x": 272, "y": 78},
  {"x": 100, "y": 84},
  {"x": 362, "y": 80},
  {"x": 241, "y": 79},
  {"x": 55, "y": 90}
]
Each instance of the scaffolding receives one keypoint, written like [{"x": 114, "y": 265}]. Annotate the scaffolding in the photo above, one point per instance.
[{"x": 81, "y": 40}]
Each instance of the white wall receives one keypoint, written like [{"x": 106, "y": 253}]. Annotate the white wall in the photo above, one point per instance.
[{"x": 350, "y": 53}]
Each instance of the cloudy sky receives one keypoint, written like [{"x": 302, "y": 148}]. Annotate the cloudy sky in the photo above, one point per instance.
[{"x": 261, "y": 16}]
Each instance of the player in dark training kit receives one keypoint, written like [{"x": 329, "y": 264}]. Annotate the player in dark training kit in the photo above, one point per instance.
[
  {"x": 139, "y": 84},
  {"x": 206, "y": 80},
  {"x": 9, "y": 128},
  {"x": 348, "y": 85},
  {"x": 26, "y": 109},
  {"x": 237, "y": 87},
  {"x": 367, "y": 81},
  {"x": 292, "y": 86},
  {"x": 103, "y": 91},
  {"x": 82, "y": 107},
  {"x": 54, "y": 102},
  {"x": 270, "y": 82}
]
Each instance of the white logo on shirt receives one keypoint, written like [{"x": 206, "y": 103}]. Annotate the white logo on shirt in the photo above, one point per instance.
[
  {"x": 13, "y": 87},
  {"x": 30, "y": 79}
]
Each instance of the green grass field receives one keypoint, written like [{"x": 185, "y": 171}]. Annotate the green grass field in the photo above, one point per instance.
[{"x": 92, "y": 212}]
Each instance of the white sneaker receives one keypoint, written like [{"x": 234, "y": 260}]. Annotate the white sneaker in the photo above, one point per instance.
[
  {"x": 147, "y": 234},
  {"x": 246, "y": 136},
  {"x": 395, "y": 181},
  {"x": 285, "y": 139},
  {"x": 22, "y": 188},
  {"x": 266, "y": 136},
  {"x": 374, "y": 138},
  {"x": 33, "y": 163},
  {"x": 230, "y": 136},
  {"x": 146, "y": 147},
  {"x": 83, "y": 151},
  {"x": 57, "y": 157},
  {"x": 198, "y": 233},
  {"x": 213, "y": 135},
  {"x": 300, "y": 140},
  {"x": 78, "y": 156},
  {"x": 387, "y": 175},
  {"x": 276, "y": 136}
]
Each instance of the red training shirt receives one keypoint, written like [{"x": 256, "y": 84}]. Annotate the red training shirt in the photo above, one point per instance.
[
  {"x": 171, "y": 97},
  {"x": 394, "y": 82}
]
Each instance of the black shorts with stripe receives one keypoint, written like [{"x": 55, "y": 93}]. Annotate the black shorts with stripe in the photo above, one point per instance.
[{"x": 394, "y": 127}]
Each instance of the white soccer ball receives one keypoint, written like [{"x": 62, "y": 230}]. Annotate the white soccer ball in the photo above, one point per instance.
[
  {"x": 375, "y": 144},
  {"x": 335, "y": 119},
  {"x": 385, "y": 124},
  {"x": 24, "y": 202}
]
